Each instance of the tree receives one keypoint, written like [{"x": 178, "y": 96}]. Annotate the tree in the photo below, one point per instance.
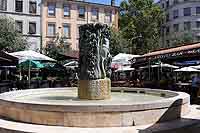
[
  {"x": 58, "y": 46},
  {"x": 10, "y": 39},
  {"x": 118, "y": 44},
  {"x": 184, "y": 38},
  {"x": 140, "y": 23}
]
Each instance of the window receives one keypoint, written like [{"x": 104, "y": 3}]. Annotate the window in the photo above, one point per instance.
[
  {"x": 197, "y": 10},
  {"x": 3, "y": 5},
  {"x": 50, "y": 44},
  {"x": 167, "y": 4},
  {"x": 66, "y": 9},
  {"x": 198, "y": 24},
  {"x": 176, "y": 27},
  {"x": 81, "y": 12},
  {"x": 18, "y": 5},
  {"x": 167, "y": 30},
  {"x": 66, "y": 30},
  {"x": 19, "y": 26},
  {"x": 95, "y": 14},
  {"x": 32, "y": 28},
  {"x": 175, "y": 14},
  {"x": 108, "y": 17},
  {"x": 198, "y": 38},
  {"x": 51, "y": 29},
  {"x": 167, "y": 17},
  {"x": 51, "y": 9},
  {"x": 163, "y": 5},
  {"x": 167, "y": 42},
  {"x": 176, "y": 2},
  {"x": 162, "y": 32},
  {"x": 187, "y": 25},
  {"x": 32, "y": 6},
  {"x": 187, "y": 11}
]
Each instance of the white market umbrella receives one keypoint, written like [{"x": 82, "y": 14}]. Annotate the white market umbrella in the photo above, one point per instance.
[
  {"x": 161, "y": 65},
  {"x": 123, "y": 58},
  {"x": 124, "y": 68},
  {"x": 31, "y": 55},
  {"x": 187, "y": 69},
  {"x": 169, "y": 66},
  {"x": 196, "y": 67}
]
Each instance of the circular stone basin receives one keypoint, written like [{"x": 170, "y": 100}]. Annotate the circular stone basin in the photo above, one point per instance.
[{"x": 61, "y": 107}]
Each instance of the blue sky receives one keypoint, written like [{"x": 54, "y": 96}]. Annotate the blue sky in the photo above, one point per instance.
[{"x": 108, "y": 1}]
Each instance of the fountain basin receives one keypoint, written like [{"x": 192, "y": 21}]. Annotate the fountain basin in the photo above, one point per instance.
[{"x": 61, "y": 107}]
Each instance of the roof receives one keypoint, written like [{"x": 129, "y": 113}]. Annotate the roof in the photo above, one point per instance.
[
  {"x": 7, "y": 60},
  {"x": 69, "y": 55},
  {"x": 91, "y": 3},
  {"x": 95, "y": 3},
  {"x": 183, "y": 53},
  {"x": 172, "y": 50}
]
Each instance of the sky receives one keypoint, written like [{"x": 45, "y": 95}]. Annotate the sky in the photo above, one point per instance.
[{"x": 108, "y": 1}]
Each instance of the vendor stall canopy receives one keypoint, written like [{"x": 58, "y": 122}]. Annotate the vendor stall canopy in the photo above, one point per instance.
[
  {"x": 123, "y": 58},
  {"x": 31, "y": 55},
  {"x": 183, "y": 54},
  {"x": 187, "y": 69},
  {"x": 7, "y": 60}
]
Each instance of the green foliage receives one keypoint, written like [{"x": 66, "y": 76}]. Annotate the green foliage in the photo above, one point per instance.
[
  {"x": 140, "y": 23},
  {"x": 56, "y": 48},
  {"x": 118, "y": 44},
  {"x": 184, "y": 38},
  {"x": 10, "y": 39}
]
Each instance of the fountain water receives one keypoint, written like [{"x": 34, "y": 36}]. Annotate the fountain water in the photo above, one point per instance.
[{"x": 96, "y": 108}]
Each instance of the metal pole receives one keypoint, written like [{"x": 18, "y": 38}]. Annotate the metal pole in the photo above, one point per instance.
[
  {"x": 87, "y": 14},
  {"x": 6, "y": 76},
  {"x": 159, "y": 72},
  {"x": 29, "y": 74},
  {"x": 20, "y": 73},
  {"x": 149, "y": 70}
]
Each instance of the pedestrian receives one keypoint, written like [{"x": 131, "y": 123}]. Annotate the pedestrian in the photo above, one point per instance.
[{"x": 195, "y": 86}]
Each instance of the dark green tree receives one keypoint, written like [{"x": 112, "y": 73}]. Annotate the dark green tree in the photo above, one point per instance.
[
  {"x": 184, "y": 38},
  {"x": 10, "y": 39},
  {"x": 118, "y": 44},
  {"x": 59, "y": 46},
  {"x": 140, "y": 23}
]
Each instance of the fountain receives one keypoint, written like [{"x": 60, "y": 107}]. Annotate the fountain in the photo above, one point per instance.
[{"x": 94, "y": 106}]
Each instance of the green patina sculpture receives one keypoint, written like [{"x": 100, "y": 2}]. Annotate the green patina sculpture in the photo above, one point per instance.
[
  {"x": 94, "y": 62},
  {"x": 95, "y": 59}
]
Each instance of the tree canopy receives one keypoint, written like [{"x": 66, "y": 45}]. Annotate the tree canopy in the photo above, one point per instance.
[
  {"x": 58, "y": 46},
  {"x": 140, "y": 22},
  {"x": 118, "y": 44},
  {"x": 10, "y": 39},
  {"x": 184, "y": 38}
]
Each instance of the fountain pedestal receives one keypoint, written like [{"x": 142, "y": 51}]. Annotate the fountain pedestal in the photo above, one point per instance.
[{"x": 94, "y": 89}]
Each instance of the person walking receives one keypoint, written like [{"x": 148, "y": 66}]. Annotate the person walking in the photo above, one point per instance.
[{"x": 195, "y": 86}]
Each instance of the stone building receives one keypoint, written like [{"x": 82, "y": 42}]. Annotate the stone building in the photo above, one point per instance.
[
  {"x": 26, "y": 14},
  {"x": 61, "y": 19},
  {"x": 182, "y": 16}
]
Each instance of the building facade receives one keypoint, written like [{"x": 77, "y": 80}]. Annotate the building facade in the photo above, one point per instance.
[
  {"x": 181, "y": 16},
  {"x": 61, "y": 19},
  {"x": 26, "y": 14}
]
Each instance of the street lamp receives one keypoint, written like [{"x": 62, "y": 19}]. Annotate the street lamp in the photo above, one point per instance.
[{"x": 135, "y": 38}]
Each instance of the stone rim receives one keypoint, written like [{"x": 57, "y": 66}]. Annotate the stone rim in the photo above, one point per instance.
[{"x": 165, "y": 103}]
